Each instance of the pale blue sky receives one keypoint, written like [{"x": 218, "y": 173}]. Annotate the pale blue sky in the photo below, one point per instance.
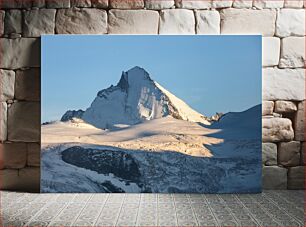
[{"x": 210, "y": 73}]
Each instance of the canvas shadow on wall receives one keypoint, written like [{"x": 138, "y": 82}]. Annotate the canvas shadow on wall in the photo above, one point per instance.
[{"x": 183, "y": 115}]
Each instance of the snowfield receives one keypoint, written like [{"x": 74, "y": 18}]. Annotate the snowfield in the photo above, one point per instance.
[
  {"x": 138, "y": 137},
  {"x": 162, "y": 155}
]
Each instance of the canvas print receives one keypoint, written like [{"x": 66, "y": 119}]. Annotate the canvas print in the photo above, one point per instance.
[{"x": 151, "y": 114}]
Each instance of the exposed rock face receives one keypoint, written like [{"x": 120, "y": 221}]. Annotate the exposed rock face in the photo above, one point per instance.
[
  {"x": 179, "y": 21},
  {"x": 289, "y": 153},
  {"x": 81, "y": 21},
  {"x": 120, "y": 164},
  {"x": 274, "y": 177},
  {"x": 269, "y": 154},
  {"x": 137, "y": 98},
  {"x": 70, "y": 114},
  {"x": 277, "y": 129}
]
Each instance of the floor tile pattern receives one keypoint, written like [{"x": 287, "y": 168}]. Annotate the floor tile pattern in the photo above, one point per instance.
[{"x": 271, "y": 208}]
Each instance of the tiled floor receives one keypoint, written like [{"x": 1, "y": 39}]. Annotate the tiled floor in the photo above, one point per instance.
[{"x": 271, "y": 208}]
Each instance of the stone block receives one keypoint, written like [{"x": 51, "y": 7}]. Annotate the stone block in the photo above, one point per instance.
[
  {"x": 15, "y": 4},
  {"x": 290, "y": 22},
  {"x": 33, "y": 154},
  {"x": 2, "y": 15},
  {"x": 270, "y": 51},
  {"x": 303, "y": 157},
  {"x": 293, "y": 52},
  {"x": 269, "y": 154},
  {"x": 208, "y": 22},
  {"x": 277, "y": 129},
  {"x": 248, "y": 21},
  {"x": 299, "y": 122},
  {"x": 103, "y": 4},
  {"x": 139, "y": 22},
  {"x": 27, "y": 85},
  {"x": 24, "y": 122},
  {"x": 38, "y": 22},
  {"x": 267, "y": 108},
  {"x": 274, "y": 177},
  {"x": 126, "y": 4},
  {"x": 7, "y": 81},
  {"x": 289, "y": 153},
  {"x": 221, "y": 3},
  {"x": 283, "y": 84},
  {"x": 56, "y": 4},
  {"x": 293, "y": 4},
  {"x": 242, "y": 4},
  {"x": 20, "y": 53},
  {"x": 81, "y": 21},
  {"x": 296, "y": 178},
  {"x": 177, "y": 21},
  {"x": 3, "y": 121},
  {"x": 80, "y": 3},
  {"x": 262, "y": 4},
  {"x": 25, "y": 180},
  {"x": 13, "y": 21},
  {"x": 159, "y": 4},
  {"x": 39, "y": 3},
  {"x": 285, "y": 107},
  {"x": 13, "y": 155},
  {"x": 192, "y": 4}
]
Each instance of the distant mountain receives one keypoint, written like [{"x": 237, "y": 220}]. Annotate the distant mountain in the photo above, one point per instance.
[
  {"x": 135, "y": 99},
  {"x": 70, "y": 114}
]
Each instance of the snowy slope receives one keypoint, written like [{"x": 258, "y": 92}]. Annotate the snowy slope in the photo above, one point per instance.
[
  {"x": 135, "y": 99},
  {"x": 245, "y": 124},
  {"x": 163, "y": 155},
  {"x": 184, "y": 111}
]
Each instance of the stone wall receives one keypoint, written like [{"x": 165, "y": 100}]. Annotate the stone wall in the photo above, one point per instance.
[{"x": 281, "y": 22}]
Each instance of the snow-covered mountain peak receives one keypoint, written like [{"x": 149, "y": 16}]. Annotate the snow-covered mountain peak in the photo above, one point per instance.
[
  {"x": 137, "y": 98},
  {"x": 135, "y": 75}
]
